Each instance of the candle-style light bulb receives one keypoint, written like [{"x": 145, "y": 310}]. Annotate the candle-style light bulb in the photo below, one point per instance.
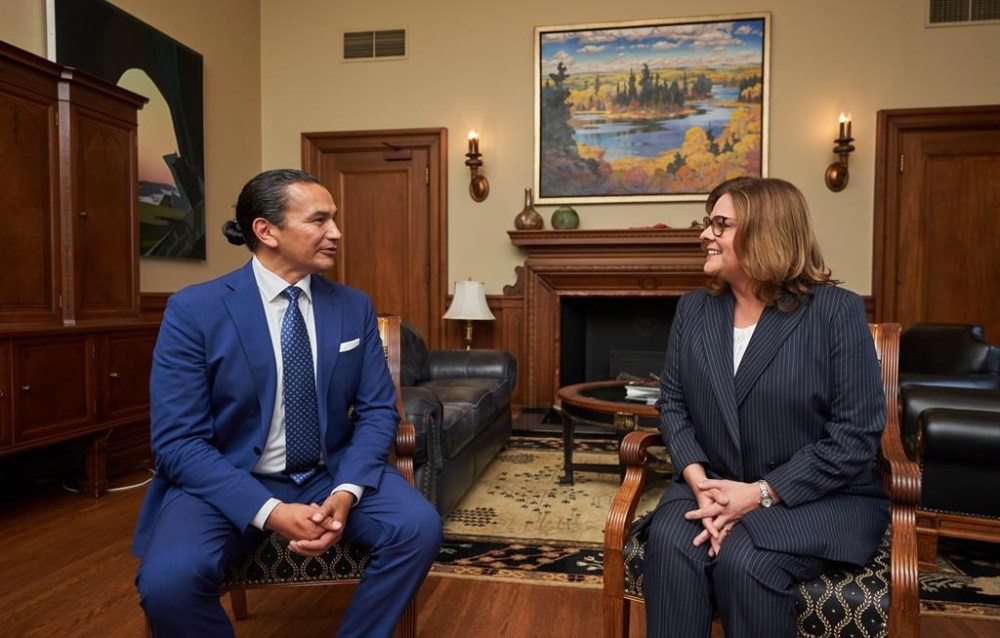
[
  {"x": 843, "y": 120},
  {"x": 473, "y": 141}
]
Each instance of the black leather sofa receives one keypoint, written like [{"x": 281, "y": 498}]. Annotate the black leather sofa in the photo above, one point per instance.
[
  {"x": 459, "y": 403},
  {"x": 950, "y": 402}
]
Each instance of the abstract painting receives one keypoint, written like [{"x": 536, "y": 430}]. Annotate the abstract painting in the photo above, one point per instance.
[{"x": 101, "y": 39}]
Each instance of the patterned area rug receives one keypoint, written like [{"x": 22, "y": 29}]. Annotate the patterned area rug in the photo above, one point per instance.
[
  {"x": 519, "y": 524},
  {"x": 967, "y": 580},
  {"x": 519, "y": 496}
]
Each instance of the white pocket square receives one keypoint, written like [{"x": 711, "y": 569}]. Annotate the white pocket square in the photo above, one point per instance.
[{"x": 350, "y": 345}]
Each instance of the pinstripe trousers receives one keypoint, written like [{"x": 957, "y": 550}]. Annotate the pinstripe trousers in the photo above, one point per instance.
[{"x": 753, "y": 589}]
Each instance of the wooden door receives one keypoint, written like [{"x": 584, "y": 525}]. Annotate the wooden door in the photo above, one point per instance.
[
  {"x": 388, "y": 187},
  {"x": 937, "y": 230}
]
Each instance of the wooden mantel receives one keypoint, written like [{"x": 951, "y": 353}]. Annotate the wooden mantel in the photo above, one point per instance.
[{"x": 605, "y": 263}]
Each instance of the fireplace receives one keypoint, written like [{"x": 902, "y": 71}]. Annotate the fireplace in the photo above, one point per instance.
[
  {"x": 605, "y": 337},
  {"x": 569, "y": 273}
]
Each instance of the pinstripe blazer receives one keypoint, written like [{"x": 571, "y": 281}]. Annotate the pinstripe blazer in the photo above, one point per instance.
[{"x": 805, "y": 411}]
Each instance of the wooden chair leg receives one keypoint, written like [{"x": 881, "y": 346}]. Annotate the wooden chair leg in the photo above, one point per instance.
[
  {"x": 238, "y": 598},
  {"x": 407, "y": 626},
  {"x": 927, "y": 549}
]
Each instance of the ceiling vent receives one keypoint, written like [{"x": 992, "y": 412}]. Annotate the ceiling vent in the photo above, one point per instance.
[
  {"x": 375, "y": 45},
  {"x": 945, "y": 13}
]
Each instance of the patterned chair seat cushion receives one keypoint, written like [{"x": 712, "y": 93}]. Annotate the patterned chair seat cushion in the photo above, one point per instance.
[
  {"x": 848, "y": 602},
  {"x": 271, "y": 563}
]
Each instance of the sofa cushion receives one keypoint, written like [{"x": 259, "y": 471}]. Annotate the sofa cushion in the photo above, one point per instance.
[
  {"x": 413, "y": 367},
  {"x": 469, "y": 405},
  {"x": 941, "y": 348},
  {"x": 917, "y": 398}
]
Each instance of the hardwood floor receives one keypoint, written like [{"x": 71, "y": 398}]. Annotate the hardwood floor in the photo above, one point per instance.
[{"x": 66, "y": 571}]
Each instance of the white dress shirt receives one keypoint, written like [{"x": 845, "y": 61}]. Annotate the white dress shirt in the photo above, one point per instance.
[
  {"x": 741, "y": 339},
  {"x": 272, "y": 460}
]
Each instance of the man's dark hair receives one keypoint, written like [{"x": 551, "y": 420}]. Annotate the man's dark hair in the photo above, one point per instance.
[{"x": 266, "y": 196}]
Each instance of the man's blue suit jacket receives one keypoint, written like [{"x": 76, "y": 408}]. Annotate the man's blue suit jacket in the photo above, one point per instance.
[
  {"x": 805, "y": 411},
  {"x": 212, "y": 391}
]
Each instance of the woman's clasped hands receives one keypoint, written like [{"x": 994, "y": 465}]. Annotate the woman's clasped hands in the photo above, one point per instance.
[{"x": 721, "y": 505}]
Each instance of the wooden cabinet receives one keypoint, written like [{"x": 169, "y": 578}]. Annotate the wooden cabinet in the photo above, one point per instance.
[
  {"x": 68, "y": 170},
  {"x": 74, "y": 353}
]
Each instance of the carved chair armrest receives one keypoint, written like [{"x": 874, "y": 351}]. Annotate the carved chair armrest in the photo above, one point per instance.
[
  {"x": 633, "y": 454},
  {"x": 901, "y": 479},
  {"x": 403, "y": 450}
]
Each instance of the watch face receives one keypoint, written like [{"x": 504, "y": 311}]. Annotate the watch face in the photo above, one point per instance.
[{"x": 765, "y": 501}]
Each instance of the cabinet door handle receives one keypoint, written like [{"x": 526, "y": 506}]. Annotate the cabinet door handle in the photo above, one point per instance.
[
  {"x": 25, "y": 388},
  {"x": 114, "y": 375},
  {"x": 2, "y": 395},
  {"x": 83, "y": 213}
]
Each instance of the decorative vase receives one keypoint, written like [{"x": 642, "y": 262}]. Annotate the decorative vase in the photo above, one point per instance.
[
  {"x": 565, "y": 217},
  {"x": 529, "y": 218}
]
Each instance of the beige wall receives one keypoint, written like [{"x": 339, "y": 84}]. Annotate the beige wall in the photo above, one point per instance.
[
  {"x": 227, "y": 34},
  {"x": 470, "y": 65},
  {"x": 272, "y": 74}
]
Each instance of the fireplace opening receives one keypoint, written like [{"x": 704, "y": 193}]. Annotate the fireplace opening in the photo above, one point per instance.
[{"x": 603, "y": 337}]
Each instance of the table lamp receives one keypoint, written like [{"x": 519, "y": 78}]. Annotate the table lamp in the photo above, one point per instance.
[{"x": 469, "y": 304}]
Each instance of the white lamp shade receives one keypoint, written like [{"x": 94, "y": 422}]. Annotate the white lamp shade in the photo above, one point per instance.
[{"x": 469, "y": 302}]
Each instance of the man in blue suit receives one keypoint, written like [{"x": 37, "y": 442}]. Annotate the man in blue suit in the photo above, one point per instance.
[{"x": 273, "y": 409}]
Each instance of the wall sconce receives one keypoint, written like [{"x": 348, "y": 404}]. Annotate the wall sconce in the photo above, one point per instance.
[
  {"x": 837, "y": 174},
  {"x": 469, "y": 304},
  {"x": 479, "y": 187}
]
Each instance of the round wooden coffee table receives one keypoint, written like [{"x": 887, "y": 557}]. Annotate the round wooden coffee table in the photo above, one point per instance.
[{"x": 600, "y": 403}]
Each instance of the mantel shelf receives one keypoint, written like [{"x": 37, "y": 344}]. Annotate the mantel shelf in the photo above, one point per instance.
[{"x": 594, "y": 239}]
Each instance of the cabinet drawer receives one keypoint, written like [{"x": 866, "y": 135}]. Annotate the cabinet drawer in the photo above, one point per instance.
[{"x": 52, "y": 388}]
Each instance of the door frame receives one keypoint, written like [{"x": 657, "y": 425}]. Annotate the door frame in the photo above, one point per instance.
[
  {"x": 435, "y": 140},
  {"x": 890, "y": 127}
]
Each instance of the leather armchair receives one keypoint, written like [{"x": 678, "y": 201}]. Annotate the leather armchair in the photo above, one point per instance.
[
  {"x": 950, "y": 404},
  {"x": 459, "y": 402}
]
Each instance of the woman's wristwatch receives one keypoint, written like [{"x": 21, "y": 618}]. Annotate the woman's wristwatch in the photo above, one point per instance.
[{"x": 765, "y": 495}]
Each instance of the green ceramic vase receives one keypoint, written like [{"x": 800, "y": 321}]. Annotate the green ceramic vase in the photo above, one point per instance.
[{"x": 565, "y": 218}]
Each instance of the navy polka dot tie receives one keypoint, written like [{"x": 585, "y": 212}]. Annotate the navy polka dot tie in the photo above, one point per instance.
[{"x": 301, "y": 412}]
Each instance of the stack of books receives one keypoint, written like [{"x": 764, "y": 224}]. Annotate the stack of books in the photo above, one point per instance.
[{"x": 647, "y": 394}]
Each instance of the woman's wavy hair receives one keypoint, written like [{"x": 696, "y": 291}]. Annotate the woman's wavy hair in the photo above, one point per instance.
[{"x": 774, "y": 241}]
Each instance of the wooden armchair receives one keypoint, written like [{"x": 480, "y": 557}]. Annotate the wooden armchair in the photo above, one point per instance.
[
  {"x": 878, "y": 599},
  {"x": 270, "y": 564}
]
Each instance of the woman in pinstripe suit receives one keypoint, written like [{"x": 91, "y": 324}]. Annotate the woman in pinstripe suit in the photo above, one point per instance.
[{"x": 772, "y": 408}]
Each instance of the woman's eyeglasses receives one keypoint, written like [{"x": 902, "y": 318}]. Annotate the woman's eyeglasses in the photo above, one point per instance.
[{"x": 718, "y": 223}]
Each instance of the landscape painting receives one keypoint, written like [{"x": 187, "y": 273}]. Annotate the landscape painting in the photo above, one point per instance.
[
  {"x": 101, "y": 39},
  {"x": 649, "y": 111}
]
